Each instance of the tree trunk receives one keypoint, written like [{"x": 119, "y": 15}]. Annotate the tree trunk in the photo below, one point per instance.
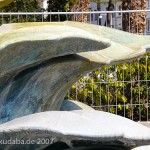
[
  {"x": 134, "y": 22},
  {"x": 109, "y": 15},
  {"x": 81, "y": 6}
]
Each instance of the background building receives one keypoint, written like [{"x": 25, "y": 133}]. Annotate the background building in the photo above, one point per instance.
[{"x": 116, "y": 21}]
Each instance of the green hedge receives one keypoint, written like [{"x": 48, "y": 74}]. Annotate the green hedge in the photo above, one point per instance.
[{"x": 115, "y": 88}]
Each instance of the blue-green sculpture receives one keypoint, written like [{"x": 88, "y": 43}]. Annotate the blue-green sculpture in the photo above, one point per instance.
[{"x": 38, "y": 64}]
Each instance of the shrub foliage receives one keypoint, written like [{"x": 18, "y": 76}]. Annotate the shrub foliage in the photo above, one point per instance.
[{"x": 122, "y": 89}]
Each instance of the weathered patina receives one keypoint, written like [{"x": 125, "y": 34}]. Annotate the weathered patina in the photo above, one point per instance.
[{"x": 38, "y": 64}]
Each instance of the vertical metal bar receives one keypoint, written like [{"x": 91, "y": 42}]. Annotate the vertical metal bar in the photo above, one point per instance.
[
  {"x": 34, "y": 17},
  {"x": 50, "y": 17},
  {"x": 145, "y": 26},
  {"x": 84, "y": 84},
  {"x": 111, "y": 21},
  {"x": 68, "y": 94},
  {"x": 100, "y": 96},
  {"x": 116, "y": 90},
  {"x": 137, "y": 23},
  {"x": 123, "y": 91},
  {"x": 131, "y": 100},
  {"x": 98, "y": 19},
  {"x": 76, "y": 91},
  {"x": 42, "y": 15},
  {"x": 147, "y": 102},
  {"x": 121, "y": 21},
  {"x": 114, "y": 14},
  {"x": 26, "y": 17},
  {"x": 66, "y": 16},
  {"x": 129, "y": 23},
  {"x": 92, "y": 93},
  {"x": 139, "y": 90},
  {"x": 107, "y": 85},
  {"x": 82, "y": 16},
  {"x": 100, "y": 90},
  {"x": 2, "y": 18},
  {"x": 74, "y": 17},
  {"x": 145, "y": 23},
  {"x": 90, "y": 18},
  {"x": 106, "y": 19},
  {"x": 10, "y": 17},
  {"x": 58, "y": 16},
  {"x": 18, "y": 17}
]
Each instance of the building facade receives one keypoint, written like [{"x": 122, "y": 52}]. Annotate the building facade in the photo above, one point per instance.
[{"x": 116, "y": 18}]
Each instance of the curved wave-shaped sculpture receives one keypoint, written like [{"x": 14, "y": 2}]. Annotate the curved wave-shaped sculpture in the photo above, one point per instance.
[
  {"x": 142, "y": 148},
  {"x": 40, "y": 61},
  {"x": 96, "y": 128}
]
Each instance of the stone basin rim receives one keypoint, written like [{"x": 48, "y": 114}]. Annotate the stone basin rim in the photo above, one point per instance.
[{"x": 86, "y": 115}]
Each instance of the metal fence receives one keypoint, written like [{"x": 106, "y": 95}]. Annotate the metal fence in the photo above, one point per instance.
[
  {"x": 122, "y": 89},
  {"x": 93, "y": 17}
]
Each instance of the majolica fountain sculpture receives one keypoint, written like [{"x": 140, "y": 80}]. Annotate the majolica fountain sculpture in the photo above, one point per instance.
[{"x": 38, "y": 64}]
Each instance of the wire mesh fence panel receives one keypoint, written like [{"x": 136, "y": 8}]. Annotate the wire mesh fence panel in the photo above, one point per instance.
[{"x": 122, "y": 89}]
